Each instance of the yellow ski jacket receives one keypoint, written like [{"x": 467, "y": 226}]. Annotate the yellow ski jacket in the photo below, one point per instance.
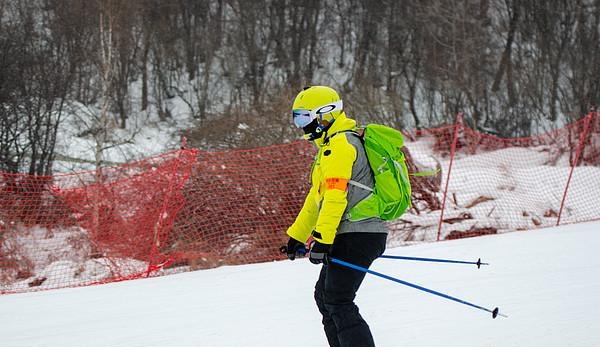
[{"x": 340, "y": 158}]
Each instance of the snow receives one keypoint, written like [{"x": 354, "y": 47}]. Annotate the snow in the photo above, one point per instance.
[
  {"x": 145, "y": 135},
  {"x": 546, "y": 281}
]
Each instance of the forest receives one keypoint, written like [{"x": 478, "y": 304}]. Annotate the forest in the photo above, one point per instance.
[{"x": 514, "y": 68}]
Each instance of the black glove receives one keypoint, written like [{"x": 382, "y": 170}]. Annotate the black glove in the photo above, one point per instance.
[
  {"x": 295, "y": 249},
  {"x": 318, "y": 253}
]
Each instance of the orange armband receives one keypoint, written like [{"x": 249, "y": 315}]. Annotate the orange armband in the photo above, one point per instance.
[{"x": 336, "y": 183}]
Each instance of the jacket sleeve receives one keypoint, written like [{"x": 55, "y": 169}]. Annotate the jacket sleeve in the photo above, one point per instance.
[
  {"x": 307, "y": 217},
  {"x": 336, "y": 167}
]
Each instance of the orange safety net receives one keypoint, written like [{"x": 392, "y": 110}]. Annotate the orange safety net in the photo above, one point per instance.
[
  {"x": 488, "y": 185},
  {"x": 91, "y": 227},
  {"x": 188, "y": 209}
]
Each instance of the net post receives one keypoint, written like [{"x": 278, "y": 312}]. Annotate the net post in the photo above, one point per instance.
[
  {"x": 459, "y": 124},
  {"x": 576, "y": 161}
]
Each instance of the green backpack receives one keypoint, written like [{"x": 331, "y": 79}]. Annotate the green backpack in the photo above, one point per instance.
[{"x": 391, "y": 194}]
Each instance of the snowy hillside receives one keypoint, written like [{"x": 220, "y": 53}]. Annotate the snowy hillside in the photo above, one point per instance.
[
  {"x": 503, "y": 190},
  {"x": 144, "y": 137},
  {"x": 546, "y": 281}
]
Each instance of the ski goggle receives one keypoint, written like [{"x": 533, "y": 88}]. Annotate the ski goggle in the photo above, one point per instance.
[{"x": 303, "y": 117}]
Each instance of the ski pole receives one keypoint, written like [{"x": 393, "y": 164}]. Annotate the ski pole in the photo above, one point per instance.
[
  {"x": 283, "y": 249},
  {"x": 495, "y": 312},
  {"x": 478, "y": 262}
]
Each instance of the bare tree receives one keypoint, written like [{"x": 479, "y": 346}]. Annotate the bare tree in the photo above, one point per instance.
[
  {"x": 33, "y": 92},
  {"x": 512, "y": 67}
]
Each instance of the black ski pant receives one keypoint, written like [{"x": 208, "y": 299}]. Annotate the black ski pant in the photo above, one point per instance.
[{"x": 337, "y": 286}]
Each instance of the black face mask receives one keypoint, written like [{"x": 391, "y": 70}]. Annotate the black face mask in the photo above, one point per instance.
[{"x": 312, "y": 129}]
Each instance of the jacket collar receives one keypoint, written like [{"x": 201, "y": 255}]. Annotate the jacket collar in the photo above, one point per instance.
[{"x": 341, "y": 123}]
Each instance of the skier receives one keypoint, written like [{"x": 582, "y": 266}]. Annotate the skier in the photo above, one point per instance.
[{"x": 341, "y": 159}]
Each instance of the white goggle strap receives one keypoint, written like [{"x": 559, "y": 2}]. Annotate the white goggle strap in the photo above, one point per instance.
[{"x": 335, "y": 106}]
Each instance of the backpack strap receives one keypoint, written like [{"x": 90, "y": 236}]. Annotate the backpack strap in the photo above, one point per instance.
[
  {"x": 353, "y": 182},
  {"x": 424, "y": 173},
  {"x": 329, "y": 137},
  {"x": 360, "y": 185}
]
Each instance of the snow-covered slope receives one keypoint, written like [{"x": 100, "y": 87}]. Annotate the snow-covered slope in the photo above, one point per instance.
[{"x": 546, "y": 281}]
